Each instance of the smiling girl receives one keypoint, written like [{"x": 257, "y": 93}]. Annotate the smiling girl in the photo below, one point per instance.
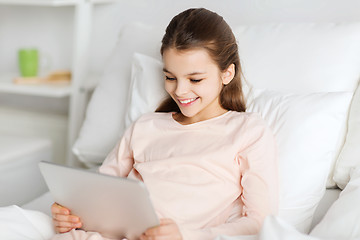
[{"x": 210, "y": 168}]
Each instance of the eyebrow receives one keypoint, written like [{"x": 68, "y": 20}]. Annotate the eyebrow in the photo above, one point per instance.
[{"x": 190, "y": 74}]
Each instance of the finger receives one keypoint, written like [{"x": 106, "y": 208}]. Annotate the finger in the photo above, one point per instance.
[
  {"x": 66, "y": 218},
  {"x": 63, "y": 230},
  {"x": 56, "y": 208},
  {"x": 67, "y": 224},
  {"x": 58, "y": 224}
]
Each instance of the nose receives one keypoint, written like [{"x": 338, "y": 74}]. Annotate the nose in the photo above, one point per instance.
[{"x": 182, "y": 88}]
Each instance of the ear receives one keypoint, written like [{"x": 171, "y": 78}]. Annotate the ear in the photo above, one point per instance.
[{"x": 228, "y": 74}]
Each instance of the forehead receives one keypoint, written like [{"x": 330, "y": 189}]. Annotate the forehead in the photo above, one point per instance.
[{"x": 185, "y": 61}]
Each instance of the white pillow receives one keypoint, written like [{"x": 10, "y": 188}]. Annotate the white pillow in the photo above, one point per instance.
[
  {"x": 273, "y": 228},
  {"x": 301, "y": 57},
  {"x": 308, "y": 129},
  {"x": 146, "y": 88},
  {"x": 317, "y": 57},
  {"x": 350, "y": 155},
  {"x": 342, "y": 219},
  {"x": 104, "y": 121}
]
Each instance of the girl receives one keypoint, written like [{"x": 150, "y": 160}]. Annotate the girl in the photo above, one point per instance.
[{"x": 210, "y": 167}]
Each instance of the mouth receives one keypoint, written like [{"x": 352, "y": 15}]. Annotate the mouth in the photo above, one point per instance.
[{"x": 187, "y": 101}]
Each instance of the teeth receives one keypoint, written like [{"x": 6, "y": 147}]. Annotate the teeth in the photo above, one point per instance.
[{"x": 187, "y": 100}]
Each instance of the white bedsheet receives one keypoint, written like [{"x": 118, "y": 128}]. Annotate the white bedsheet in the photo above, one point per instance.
[
  {"x": 17, "y": 223},
  {"x": 342, "y": 221},
  {"x": 273, "y": 229}
]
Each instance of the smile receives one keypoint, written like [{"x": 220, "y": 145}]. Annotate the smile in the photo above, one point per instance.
[{"x": 187, "y": 101}]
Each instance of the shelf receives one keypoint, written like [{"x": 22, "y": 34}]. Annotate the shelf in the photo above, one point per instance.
[
  {"x": 39, "y": 2},
  {"x": 82, "y": 86},
  {"x": 54, "y": 91},
  {"x": 51, "y": 2}
]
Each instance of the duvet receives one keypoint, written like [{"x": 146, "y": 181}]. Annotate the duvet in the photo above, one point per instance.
[{"x": 342, "y": 221}]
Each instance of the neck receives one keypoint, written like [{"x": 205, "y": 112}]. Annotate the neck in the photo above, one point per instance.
[{"x": 184, "y": 120}]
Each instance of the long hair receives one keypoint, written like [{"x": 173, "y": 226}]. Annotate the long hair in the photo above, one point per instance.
[{"x": 201, "y": 28}]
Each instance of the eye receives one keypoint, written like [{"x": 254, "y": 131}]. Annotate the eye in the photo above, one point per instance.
[
  {"x": 169, "y": 78},
  {"x": 195, "y": 80}
]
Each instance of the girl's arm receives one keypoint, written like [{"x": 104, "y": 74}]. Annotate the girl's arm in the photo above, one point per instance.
[{"x": 120, "y": 161}]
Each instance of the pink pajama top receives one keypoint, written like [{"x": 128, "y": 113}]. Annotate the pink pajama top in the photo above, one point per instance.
[{"x": 214, "y": 177}]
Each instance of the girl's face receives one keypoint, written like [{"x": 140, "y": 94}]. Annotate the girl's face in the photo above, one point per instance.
[{"x": 194, "y": 81}]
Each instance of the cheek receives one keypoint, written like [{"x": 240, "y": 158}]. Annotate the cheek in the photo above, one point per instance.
[
  {"x": 212, "y": 89},
  {"x": 169, "y": 87}
]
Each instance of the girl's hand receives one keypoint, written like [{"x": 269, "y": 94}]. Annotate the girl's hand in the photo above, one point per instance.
[
  {"x": 63, "y": 221},
  {"x": 168, "y": 229}
]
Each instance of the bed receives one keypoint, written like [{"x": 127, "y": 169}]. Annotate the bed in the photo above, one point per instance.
[{"x": 307, "y": 90}]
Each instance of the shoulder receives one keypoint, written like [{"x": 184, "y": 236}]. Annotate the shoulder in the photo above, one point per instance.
[
  {"x": 248, "y": 118},
  {"x": 251, "y": 125},
  {"x": 153, "y": 116}
]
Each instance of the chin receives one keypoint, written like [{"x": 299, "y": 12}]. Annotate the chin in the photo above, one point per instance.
[{"x": 188, "y": 114}]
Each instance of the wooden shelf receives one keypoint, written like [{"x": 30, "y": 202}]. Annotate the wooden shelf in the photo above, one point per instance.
[{"x": 54, "y": 91}]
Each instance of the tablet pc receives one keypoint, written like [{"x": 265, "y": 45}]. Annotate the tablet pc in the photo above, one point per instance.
[{"x": 112, "y": 206}]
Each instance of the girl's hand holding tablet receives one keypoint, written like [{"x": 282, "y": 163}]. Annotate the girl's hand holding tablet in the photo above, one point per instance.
[
  {"x": 63, "y": 220},
  {"x": 167, "y": 229}
]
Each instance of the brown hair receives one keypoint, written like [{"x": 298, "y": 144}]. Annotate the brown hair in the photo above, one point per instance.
[{"x": 201, "y": 28}]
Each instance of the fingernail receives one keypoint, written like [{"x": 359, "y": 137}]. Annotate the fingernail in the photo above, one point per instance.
[
  {"x": 74, "y": 219},
  {"x": 77, "y": 225},
  {"x": 65, "y": 211}
]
